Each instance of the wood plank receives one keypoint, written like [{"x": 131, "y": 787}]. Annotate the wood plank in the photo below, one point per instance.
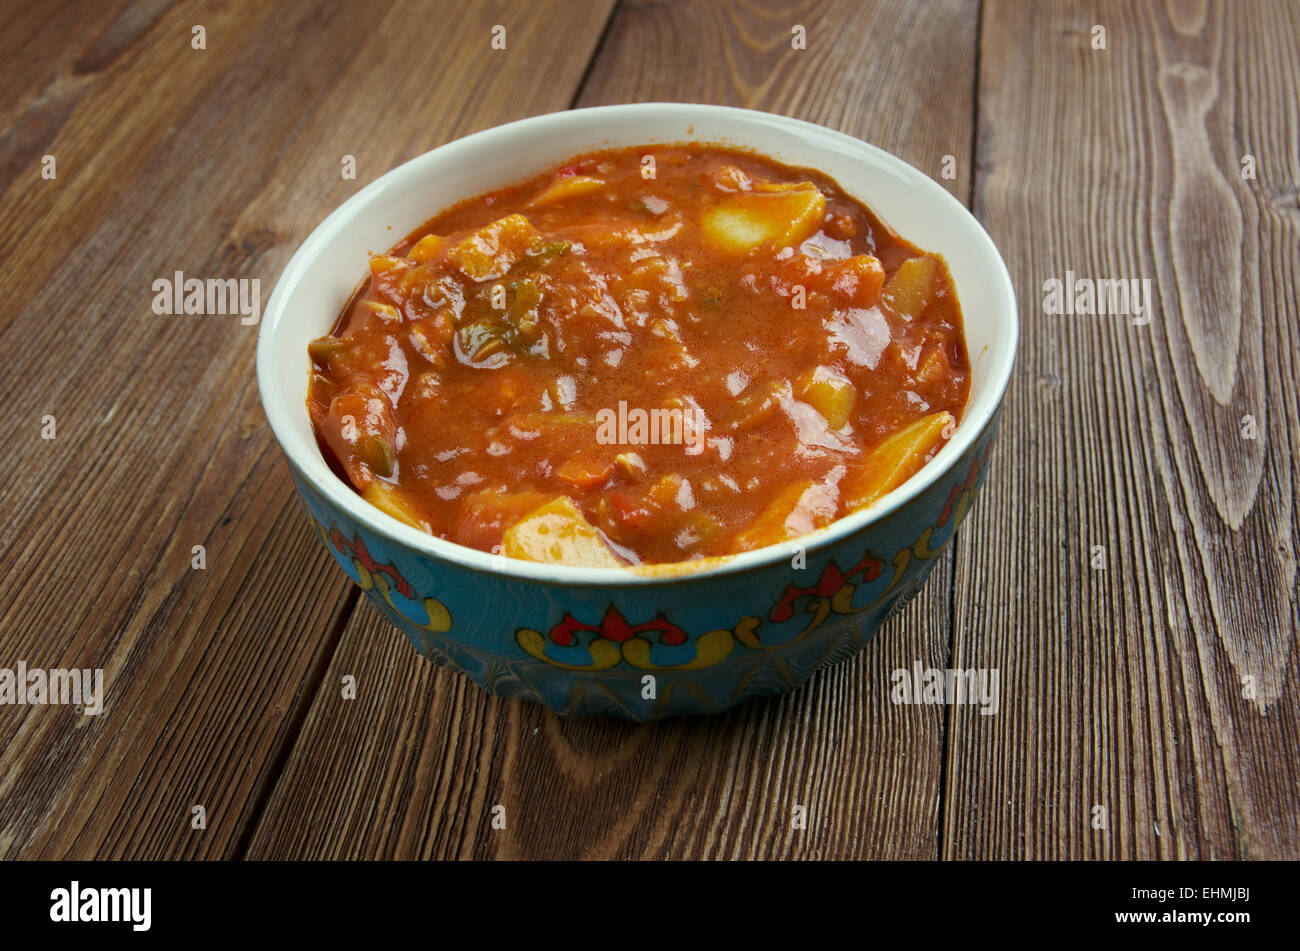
[
  {"x": 37, "y": 87},
  {"x": 1124, "y": 688},
  {"x": 215, "y": 162},
  {"x": 413, "y": 766}
]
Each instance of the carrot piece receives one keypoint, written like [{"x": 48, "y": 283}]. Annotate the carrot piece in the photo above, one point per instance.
[
  {"x": 486, "y": 514},
  {"x": 584, "y": 470},
  {"x": 857, "y": 280}
]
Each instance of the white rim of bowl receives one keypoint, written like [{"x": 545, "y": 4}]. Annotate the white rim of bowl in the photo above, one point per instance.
[{"x": 331, "y": 487}]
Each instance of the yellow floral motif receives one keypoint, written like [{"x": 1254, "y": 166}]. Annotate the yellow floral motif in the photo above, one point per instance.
[
  {"x": 372, "y": 576},
  {"x": 604, "y": 654},
  {"x": 439, "y": 617},
  {"x": 709, "y": 649}
]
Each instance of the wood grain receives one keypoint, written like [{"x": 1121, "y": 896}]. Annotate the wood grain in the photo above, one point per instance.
[
  {"x": 1126, "y": 686},
  {"x": 214, "y": 162},
  {"x": 414, "y": 766}
]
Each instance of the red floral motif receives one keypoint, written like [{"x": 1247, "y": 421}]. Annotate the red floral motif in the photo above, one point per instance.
[
  {"x": 831, "y": 581},
  {"x": 613, "y": 626},
  {"x": 357, "y": 549},
  {"x": 966, "y": 485}
]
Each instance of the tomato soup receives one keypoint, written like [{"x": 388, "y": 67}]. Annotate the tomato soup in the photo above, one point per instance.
[{"x": 644, "y": 356}]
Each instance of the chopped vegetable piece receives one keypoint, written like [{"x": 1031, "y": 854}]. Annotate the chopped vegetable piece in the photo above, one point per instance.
[
  {"x": 631, "y": 464},
  {"x": 487, "y": 514},
  {"x": 492, "y": 251},
  {"x": 935, "y": 368},
  {"x": 909, "y": 291},
  {"x": 481, "y": 341},
  {"x": 856, "y": 280},
  {"x": 387, "y": 499},
  {"x": 666, "y": 507},
  {"x": 323, "y": 348},
  {"x": 431, "y": 337},
  {"x": 774, "y": 215},
  {"x": 731, "y": 179},
  {"x": 527, "y": 426},
  {"x": 567, "y": 188},
  {"x": 543, "y": 252},
  {"x": 797, "y": 510},
  {"x": 386, "y": 313},
  {"x": 757, "y": 405},
  {"x": 558, "y": 534},
  {"x": 427, "y": 248},
  {"x": 894, "y": 461},
  {"x": 585, "y": 469},
  {"x": 379, "y": 263},
  {"x": 523, "y": 314},
  {"x": 361, "y": 429},
  {"x": 829, "y": 392}
]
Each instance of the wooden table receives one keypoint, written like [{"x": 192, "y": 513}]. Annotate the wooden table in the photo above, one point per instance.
[{"x": 1130, "y": 569}]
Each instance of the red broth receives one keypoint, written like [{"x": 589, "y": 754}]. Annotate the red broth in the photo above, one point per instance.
[{"x": 646, "y": 355}]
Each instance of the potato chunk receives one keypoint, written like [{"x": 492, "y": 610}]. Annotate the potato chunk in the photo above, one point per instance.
[
  {"x": 494, "y": 249},
  {"x": 426, "y": 249},
  {"x": 379, "y": 263},
  {"x": 558, "y": 534},
  {"x": 909, "y": 292},
  {"x": 385, "y": 498},
  {"x": 895, "y": 460},
  {"x": 829, "y": 392},
  {"x": 798, "y": 509},
  {"x": 567, "y": 188},
  {"x": 775, "y": 215}
]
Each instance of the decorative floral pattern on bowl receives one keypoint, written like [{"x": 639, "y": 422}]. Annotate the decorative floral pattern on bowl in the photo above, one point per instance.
[{"x": 645, "y": 652}]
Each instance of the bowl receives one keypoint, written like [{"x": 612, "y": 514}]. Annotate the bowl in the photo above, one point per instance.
[{"x": 662, "y": 641}]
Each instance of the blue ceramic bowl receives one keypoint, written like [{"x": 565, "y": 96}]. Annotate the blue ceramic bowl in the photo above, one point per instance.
[{"x": 664, "y": 640}]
